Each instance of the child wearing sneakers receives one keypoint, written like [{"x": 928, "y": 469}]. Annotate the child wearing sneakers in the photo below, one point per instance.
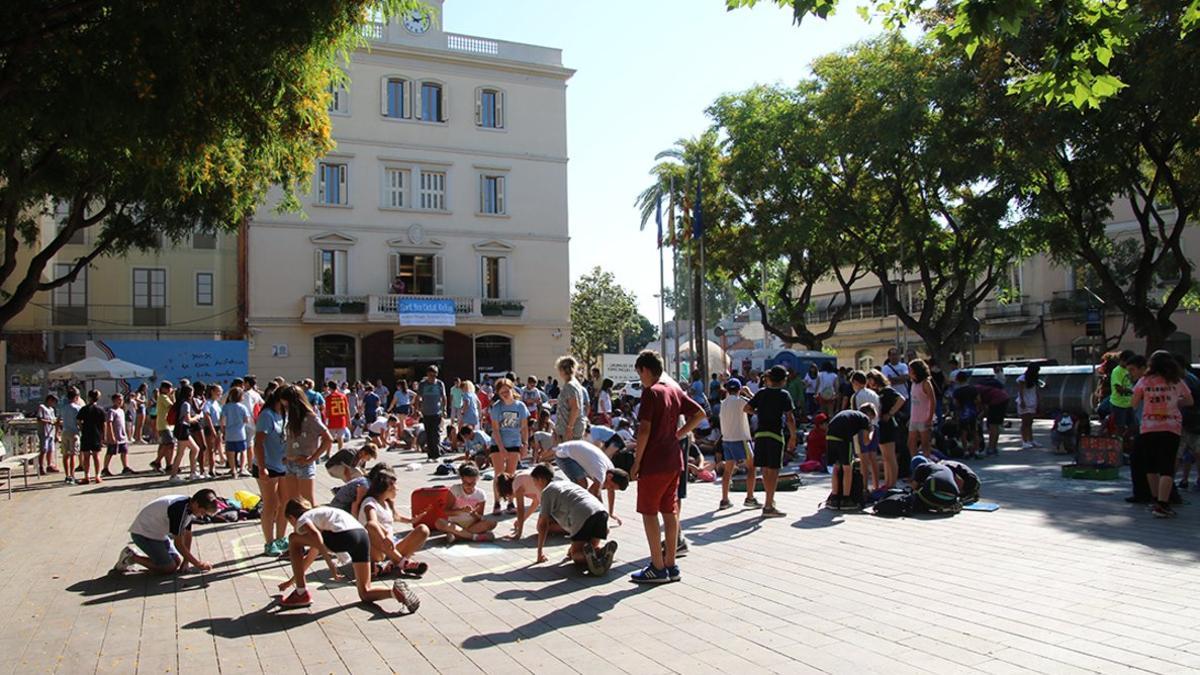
[
  {"x": 736, "y": 445},
  {"x": 581, "y": 515},
  {"x": 324, "y": 530},
  {"x": 774, "y": 406},
  {"x": 849, "y": 431},
  {"x": 163, "y": 530},
  {"x": 464, "y": 519},
  {"x": 377, "y": 513},
  {"x": 116, "y": 439}
]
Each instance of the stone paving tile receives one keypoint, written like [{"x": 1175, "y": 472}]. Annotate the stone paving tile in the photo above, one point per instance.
[{"x": 1065, "y": 578}]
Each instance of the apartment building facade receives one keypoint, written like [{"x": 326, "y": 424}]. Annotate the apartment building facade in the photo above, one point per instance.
[
  {"x": 1045, "y": 316},
  {"x": 436, "y": 231}
]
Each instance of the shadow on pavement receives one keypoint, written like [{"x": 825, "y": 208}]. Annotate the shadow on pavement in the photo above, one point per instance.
[{"x": 585, "y": 611}]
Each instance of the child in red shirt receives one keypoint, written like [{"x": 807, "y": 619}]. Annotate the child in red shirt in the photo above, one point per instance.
[{"x": 814, "y": 445}]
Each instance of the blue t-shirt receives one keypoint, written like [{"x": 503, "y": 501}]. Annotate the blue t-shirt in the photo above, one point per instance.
[
  {"x": 68, "y": 415},
  {"x": 511, "y": 418},
  {"x": 235, "y": 415},
  {"x": 477, "y": 443},
  {"x": 371, "y": 406},
  {"x": 470, "y": 410},
  {"x": 271, "y": 423},
  {"x": 315, "y": 399},
  {"x": 601, "y": 434}
]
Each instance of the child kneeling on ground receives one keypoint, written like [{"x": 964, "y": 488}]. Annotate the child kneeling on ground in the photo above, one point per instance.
[
  {"x": 346, "y": 464},
  {"x": 582, "y": 516},
  {"x": 464, "y": 519},
  {"x": 378, "y": 514},
  {"x": 163, "y": 530},
  {"x": 325, "y": 530}
]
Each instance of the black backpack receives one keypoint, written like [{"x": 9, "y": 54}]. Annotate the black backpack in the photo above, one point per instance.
[{"x": 895, "y": 505}]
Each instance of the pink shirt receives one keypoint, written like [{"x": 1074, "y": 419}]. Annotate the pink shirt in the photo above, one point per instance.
[
  {"x": 922, "y": 404},
  {"x": 1160, "y": 404}
]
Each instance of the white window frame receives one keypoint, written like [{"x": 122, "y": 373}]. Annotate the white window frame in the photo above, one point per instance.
[
  {"x": 439, "y": 280},
  {"x": 212, "y": 288},
  {"x": 502, "y": 284},
  {"x": 426, "y": 194},
  {"x": 343, "y": 182},
  {"x": 419, "y": 102},
  {"x": 150, "y": 295},
  {"x": 497, "y": 108},
  {"x": 389, "y": 192},
  {"x": 339, "y": 102},
  {"x": 407, "y": 110},
  {"x": 341, "y": 270},
  {"x": 501, "y": 182}
]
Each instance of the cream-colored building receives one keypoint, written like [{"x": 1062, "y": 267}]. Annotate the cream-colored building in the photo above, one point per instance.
[
  {"x": 185, "y": 291},
  {"x": 449, "y": 181},
  {"x": 1046, "y": 320}
]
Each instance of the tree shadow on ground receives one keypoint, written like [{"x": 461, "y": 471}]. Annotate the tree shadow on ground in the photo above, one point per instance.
[{"x": 588, "y": 610}]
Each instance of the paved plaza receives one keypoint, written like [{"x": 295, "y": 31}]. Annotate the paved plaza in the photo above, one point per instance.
[{"x": 1065, "y": 578}]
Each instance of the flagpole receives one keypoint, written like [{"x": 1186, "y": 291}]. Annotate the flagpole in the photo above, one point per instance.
[
  {"x": 674, "y": 275},
  {"x": 662, "y": 307}
]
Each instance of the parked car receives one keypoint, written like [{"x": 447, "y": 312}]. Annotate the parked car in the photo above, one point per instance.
[{"x": 631, "y": 389}]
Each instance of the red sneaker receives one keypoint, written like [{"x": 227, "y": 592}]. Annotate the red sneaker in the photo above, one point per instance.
[{"x": 295, "y": 599}]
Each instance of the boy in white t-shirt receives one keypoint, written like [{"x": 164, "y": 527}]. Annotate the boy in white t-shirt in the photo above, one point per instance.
[
  {"x": 325, "y": 530},
  {"x": 464, "y": 519},
  {"x": 736, "y": 443}
]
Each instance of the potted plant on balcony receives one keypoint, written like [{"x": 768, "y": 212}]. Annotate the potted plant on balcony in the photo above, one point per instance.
[
  {"x": 354, "y": 307},
  {"x": 491, "y": 307},
  {"x": 326, "y": 306},
  {"x": 512, "y": 308}
]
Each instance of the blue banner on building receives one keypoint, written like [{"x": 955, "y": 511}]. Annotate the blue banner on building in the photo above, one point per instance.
[{"x": 426, "y": 312}]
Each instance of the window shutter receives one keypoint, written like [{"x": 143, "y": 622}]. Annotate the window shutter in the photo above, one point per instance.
[
  {"x": 393, "y": 268},
  {"x": 343, "y": 198},
  {"x": 500, "y": 187},
  {"x": 445, "y": 106},
  {"x": 504, "y": 279},
  {"x": 320, "y": 182},
  {"x": 383, "y": 97},
  {"x": 478, "y": 107},
  {"x": 438, "y": 287},
  {"x": 406, "y": 96},
  {"x": 499, "y": 110},
  {"x": 317, "y": 271},
  {"x": 417, "y": 95},
  {"x": 482, "y": 193}
]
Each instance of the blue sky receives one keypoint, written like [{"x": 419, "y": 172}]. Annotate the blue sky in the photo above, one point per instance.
[{"x": 645, "y": 73}]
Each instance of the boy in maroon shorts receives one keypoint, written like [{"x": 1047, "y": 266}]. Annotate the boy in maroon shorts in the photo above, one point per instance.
[{"x": 658, "y": 462}]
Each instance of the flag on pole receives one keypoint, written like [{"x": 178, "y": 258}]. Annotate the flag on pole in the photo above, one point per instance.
[
  {"x": 698, "y": 213},
  {"x": 658, "y": 219}
]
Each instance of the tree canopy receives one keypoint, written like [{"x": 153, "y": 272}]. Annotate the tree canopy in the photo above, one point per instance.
[
  {"x": 1073, "y": 65},
  {"x": 143, "y": 121},
  {"x": 600, "y": 310}
]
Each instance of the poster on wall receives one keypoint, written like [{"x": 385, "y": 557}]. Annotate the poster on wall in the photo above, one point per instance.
[
  {"x": 619, "y": 367},
  {"x": 207, "y": 361},
  {"x": 336, "y": 375}
]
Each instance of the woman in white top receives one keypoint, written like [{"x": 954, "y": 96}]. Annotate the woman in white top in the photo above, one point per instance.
[
  {"x": 377, "y": 512},
  {"x": 1027, "y": 403},
  {"x": 604, "y": 402}
]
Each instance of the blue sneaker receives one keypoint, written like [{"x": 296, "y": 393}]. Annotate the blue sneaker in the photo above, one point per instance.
[
  {"x": 649, "y": 575},
  {"x": 673, "y": 573}
]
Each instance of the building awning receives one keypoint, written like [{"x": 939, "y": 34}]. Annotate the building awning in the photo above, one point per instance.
[
  {"x": 1007, "y": 331},
  {"x": 865, "y": 296}
]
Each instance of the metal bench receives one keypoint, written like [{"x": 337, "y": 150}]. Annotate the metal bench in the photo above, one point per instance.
[{"x": 9, "y": 463}]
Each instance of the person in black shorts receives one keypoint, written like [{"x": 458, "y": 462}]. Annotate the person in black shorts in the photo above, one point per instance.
[
  {"x": 774, "y": 407},
  {"x": 849, "y": 431},
  {"x": 91, "y": 419},
  {"x": 580, "y": 514},
  {"x": 325, "y": 530}
]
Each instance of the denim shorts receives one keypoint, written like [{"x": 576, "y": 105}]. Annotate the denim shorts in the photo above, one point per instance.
[
  {"x": 299, "y": 470},
  {"x": 573, "y": 470},
  {"x": 235, "y": 446},
  {"x": 161, "y": 552}
]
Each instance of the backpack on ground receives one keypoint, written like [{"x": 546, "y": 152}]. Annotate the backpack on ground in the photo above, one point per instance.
[{"x": 895, "y": 505}]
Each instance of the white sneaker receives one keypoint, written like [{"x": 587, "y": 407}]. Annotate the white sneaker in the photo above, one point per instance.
[
  {"x": 177, "y": 478},
  {"x": 1026, "y": 445},
  {"x": 124, "y": 562},
  {"x": 342, "y": 559},
  {"x": 243, "y": 474}
]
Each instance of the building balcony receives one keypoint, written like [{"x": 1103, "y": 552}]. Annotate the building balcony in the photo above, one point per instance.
[
  {"x": 1070, "y": 303},
  {"x": 1014, "y": 308},
  {"x": 394, "y": 33},
  {"x": 107, "y": 316},
  {"x": 385, "y": 308}
]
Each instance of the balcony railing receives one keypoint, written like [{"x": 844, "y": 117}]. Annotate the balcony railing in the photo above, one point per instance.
[
  {"x": 384, "y": 308},
  {"x": 1074, "y": 302},
  {"x": 466, "y": 44},
  {"x": 69, "y": 316},
  {"x": 994, "y": 309}
]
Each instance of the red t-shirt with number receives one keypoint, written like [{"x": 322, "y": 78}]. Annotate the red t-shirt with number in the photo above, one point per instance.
[{"x": 337, "y": 410}]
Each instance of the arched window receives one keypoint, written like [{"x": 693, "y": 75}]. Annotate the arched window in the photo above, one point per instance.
[
  {"x": 395, "y": 97},
  {"x": 433, "y": 102},
  {"x": 489, "y": 108},
  {"x": 493, "y": 354},
  {"x": 334, "y": 352}
]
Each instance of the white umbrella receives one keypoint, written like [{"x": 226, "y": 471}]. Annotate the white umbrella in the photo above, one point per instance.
[{"x": 93, "y": 368}]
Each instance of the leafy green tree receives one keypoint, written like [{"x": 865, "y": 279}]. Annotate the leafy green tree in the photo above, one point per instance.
[
  {"x": 139, "y": 121},
  {"x": 600, "y": 310},
  {"x": 1073, "y": 65},
  {"x": 1140, "y": 151},
  {"x": 642, "y": 333},
  {"x": 785, "y": 210},
  {"x": 925, "y": 149}
]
